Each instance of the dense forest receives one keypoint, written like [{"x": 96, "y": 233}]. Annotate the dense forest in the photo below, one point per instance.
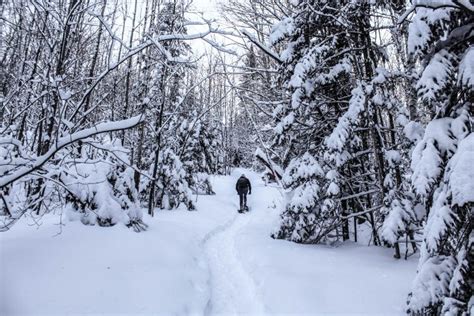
[{"x": 361, "y": 112}]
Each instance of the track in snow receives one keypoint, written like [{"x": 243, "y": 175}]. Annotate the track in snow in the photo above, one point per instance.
[{"x": 233, "y": 290}]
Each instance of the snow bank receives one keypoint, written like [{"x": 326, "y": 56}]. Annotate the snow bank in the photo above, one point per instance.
[{"x": 95, "y": 270}]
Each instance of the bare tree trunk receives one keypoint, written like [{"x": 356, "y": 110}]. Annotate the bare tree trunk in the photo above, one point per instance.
[
  {"x": 93, "y": 64},
  {"x": 129, "y": 70},
  {"x": 151, "y": 199}
]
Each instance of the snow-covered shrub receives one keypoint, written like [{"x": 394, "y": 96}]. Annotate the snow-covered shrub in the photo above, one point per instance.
[
  {"x": 6, "y": 155},
  {"x": 201, "y": 184},
  {"x": 101, "y": 193},
  {"x": 12, "y": 153},
  {"x": 307, "y": 218},
  {"x": 397, "y": 221},
  {"x": 402, "y": 213},
  {"x": 121, "y": 178},
  {"x": 399, "y": 213},
  {"x": 173, "y": 187},
  {"x": 34, "y": 194}
]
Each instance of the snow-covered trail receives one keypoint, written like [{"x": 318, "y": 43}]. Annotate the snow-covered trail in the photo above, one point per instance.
[{"x": 232, "y": 289}]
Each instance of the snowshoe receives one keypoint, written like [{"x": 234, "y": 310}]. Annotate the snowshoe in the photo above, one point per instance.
[{"x": 244, "y": 210}]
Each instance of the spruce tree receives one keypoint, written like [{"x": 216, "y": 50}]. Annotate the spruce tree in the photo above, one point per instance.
[
  {"x": 335, "y": 112},
  {"x": 440, "y": 37}
]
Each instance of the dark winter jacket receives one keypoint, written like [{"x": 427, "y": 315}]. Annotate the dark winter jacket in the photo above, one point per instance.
[{"x": 243, "y": 186}]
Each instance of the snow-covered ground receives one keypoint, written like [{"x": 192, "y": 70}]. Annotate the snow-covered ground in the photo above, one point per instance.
[{"x": 213, "y": 261}]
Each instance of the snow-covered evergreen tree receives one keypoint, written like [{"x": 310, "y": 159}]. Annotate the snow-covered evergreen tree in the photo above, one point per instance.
[
  {"x": 402, "y": 213},
  {"x": 199, "y": 150},
  {"x": 318, "y": 88},
  {"x": 336, "y": 106},
  {"x": 441, "y": 37},
  {"x": 170, "y": 180},
  {"x": 173, "y": 185},
  {"x": 307, "y": 218}
]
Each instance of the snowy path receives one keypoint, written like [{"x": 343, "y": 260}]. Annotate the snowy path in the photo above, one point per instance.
[{"x": 232, "y": 289}]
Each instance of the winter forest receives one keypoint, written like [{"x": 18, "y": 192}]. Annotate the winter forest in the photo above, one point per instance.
[{"x": 125, "y": 125}]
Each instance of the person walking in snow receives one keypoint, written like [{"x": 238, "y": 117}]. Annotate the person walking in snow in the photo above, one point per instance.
[{"x": 243, "y": 187}]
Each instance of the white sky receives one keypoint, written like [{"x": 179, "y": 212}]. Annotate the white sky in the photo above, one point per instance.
[{"x": 209, "y": 7}]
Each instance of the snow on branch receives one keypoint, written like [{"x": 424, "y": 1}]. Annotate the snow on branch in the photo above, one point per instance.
[
  {"x": 437, "y": 4},
  {"x": 466, "y": 69},
  {"x": 435, "y": 78},
  {"x": 66, "y": 141},
  {"x": 269, "y": 163},
  {"x": 337, "y": 140}
]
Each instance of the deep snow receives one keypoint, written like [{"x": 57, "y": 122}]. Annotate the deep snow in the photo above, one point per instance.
[{"x": 212, "y": 261}]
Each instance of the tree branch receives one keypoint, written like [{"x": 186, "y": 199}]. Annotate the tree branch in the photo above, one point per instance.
[
  {"x": 263, "y": 47},
  {"x": 68, "y": 140}
]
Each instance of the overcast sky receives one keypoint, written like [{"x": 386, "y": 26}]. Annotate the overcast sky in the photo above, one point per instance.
[{"x": 207, "y": 6}]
